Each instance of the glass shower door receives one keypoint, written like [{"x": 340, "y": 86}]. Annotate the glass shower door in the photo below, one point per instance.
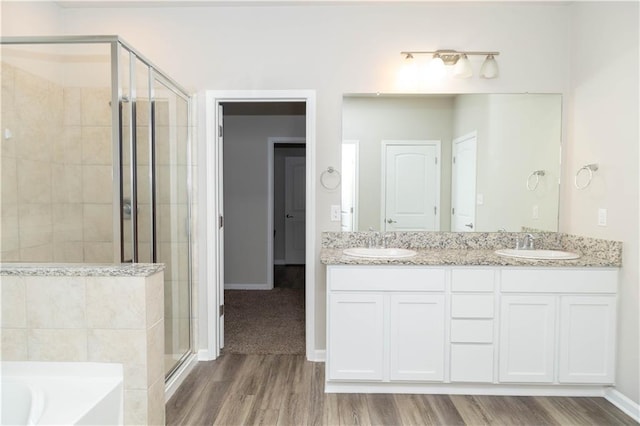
[{"x": 170, "y": 112}]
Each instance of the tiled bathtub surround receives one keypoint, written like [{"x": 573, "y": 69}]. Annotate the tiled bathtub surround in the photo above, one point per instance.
[
  {"x": 101, "y": 313},
  {"x": 476, "y": 246}
]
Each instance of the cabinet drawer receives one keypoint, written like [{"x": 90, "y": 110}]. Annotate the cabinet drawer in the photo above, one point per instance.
[
  {"x": 477, "y": 280},
  {"x": 386, "y": 278},
  {"x": 472, "y": 306},
  {"x": 471, "y": 363},
  {"x": 472, "y": 331},
  {"x": 586, "y": 280}
]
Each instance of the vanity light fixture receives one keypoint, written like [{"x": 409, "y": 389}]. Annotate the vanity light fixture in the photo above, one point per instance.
[{"x": 459, "y": 60}]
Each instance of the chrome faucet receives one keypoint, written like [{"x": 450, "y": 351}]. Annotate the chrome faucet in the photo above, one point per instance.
[
  {"x": 374, "y": 238},
  {"x": 527, "y": 243}
]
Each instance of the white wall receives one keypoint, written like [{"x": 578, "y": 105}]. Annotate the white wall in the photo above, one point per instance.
[
  {"x": 336, "y": 49},
  {"x": 603, "y": 128},
  {"x": 246, "y": 193}
]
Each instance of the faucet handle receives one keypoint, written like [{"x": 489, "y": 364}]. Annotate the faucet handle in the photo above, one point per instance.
[{"x": 531, "y": 241}]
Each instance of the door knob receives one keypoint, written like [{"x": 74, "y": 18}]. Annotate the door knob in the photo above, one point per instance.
[
  {"x": 288, "y": 216},
  {"x": 469, "y": 225},
  {"x": 391, "y": 221}
]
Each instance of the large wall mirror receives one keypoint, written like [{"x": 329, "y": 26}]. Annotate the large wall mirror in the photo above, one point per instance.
[{"x": 462, "y": 163}]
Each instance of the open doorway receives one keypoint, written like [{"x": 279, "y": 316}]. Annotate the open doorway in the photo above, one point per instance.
[
  {"x": 289, "y": 211},
  {"x": 264, "y": 193}
]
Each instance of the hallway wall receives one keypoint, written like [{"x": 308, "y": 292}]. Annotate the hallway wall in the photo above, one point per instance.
[{"x": 246, "y": 194}]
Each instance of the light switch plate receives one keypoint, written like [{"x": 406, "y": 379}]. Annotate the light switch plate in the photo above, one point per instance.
[
  {"x": 480, "y": 199},
  {"x": 602, "y": 217},
  {"x": 335, "y": 213},
  {"x": 535, "y": 214}
]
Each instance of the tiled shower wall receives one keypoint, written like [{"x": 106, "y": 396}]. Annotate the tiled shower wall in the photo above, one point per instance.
[{"x": 56, "y": 171}]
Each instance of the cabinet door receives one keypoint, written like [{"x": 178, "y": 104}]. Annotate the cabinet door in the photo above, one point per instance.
[
  {"x": 355, "y": 336},
  {"x": 417, "y": 337},
  {"x": 587, "y": 339},
  {"x": 527, "y": 336}
]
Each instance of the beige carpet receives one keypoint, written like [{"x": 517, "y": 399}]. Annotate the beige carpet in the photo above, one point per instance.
[{"x": 264, "y": 321}]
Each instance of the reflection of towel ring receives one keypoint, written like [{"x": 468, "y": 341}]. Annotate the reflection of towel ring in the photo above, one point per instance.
[
  {"x": 537, "y": 175},
  {"x": 589, "y": 168},
  {"x": 329, "y": 172}
]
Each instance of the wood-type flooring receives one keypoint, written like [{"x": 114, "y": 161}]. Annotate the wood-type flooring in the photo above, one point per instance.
[{"x": 239, "y": 389}]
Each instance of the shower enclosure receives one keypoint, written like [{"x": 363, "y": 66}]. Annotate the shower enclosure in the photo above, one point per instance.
[{"x": 96, "y": 164}]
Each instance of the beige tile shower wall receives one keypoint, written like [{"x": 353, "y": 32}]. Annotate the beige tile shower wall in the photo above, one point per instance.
[
  {"x": 56, "y": 171},
  {"x": 32, "y": 112},
  {"x": 95, "y": 319},
  {"x": 97, "y": 170}
]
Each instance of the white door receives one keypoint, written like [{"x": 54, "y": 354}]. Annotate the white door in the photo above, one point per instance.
[
  {"x": 355, "y": 336},
  {"x": 349, "y": 186},
  {"x": 295, "y": 184},
  {"x": 417, "y": 337},
  {"x": 527, "y": 339},
  {"x": 463, "y": 183},
  {"x": 587, "y": 339},
  {"x": 220, "y": 241},
  {"x": 411, "y": 186}
]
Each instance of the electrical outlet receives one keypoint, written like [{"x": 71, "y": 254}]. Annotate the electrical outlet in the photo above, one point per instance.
[
  {"x": 335, "y": 213},
  {"x": 602, "y": 217}
]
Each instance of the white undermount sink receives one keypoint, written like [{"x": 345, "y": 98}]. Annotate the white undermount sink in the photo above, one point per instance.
[
  {"x": 379, "y": 253},
  {"x": 538, "y": 254}
]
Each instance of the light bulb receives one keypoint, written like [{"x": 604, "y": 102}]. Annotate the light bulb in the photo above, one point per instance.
[
  {"x": 437, "y": 67},
  {"x": 489, "y": 68},
  {"x": 462, "y": 68}
]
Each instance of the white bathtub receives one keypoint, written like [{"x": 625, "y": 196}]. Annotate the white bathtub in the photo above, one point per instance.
[{"x": 61, "y": 393}]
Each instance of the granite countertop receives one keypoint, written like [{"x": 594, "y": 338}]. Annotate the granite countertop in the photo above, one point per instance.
[
  {"x": 80, "y": 269},
  {"x": 459, "y": 257}
]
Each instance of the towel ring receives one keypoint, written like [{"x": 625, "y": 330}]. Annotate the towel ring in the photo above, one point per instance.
[
  {"x": 330, "y": 172},
  {"x": 537, "y": 175},
  {"x": 590, "y": 168}
]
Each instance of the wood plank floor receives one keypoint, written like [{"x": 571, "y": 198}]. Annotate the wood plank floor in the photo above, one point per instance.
[{"x": 239, "y": 389}]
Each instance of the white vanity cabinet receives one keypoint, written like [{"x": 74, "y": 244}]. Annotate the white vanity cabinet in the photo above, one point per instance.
[
  {"x": 587, "y": 339},
  {"x": 558, "y": 326},
  {"x": 527, "y": 338},
  {"x": 356, "y": 325},
  {"x": 416, "y": 337},
  {"x": 484, "y": 329},
  {"x": 385, "y": 323}
]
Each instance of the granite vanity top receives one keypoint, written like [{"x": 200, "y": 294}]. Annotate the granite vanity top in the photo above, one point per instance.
[
  {"x": 458, "y": 257},
  {"x": 468, "y": 249},
  {"x": 80, "y": 269}
]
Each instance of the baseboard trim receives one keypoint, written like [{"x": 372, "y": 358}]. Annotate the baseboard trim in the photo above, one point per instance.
[
  {"x": 623, "y": 402},
  {"x": 318, "y": 355},
  {"x": 463, "y": 389},
  {"x": 236, "y": 286},
  {"x": 204, "y": 355}
]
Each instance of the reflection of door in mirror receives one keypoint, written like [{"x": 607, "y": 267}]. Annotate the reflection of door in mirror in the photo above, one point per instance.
[
  {"x": 463, "y": 183},
  {"x": 349, "y": 201},
  {"x": 410, "y": 186}
]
